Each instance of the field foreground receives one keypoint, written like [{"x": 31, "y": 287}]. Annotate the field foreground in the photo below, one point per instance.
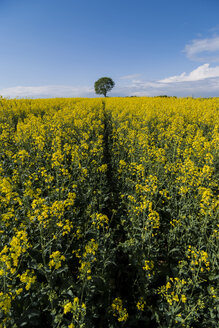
[{"x": 109, "y": 213}]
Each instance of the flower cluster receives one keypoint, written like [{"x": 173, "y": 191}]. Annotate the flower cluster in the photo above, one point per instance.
[
  {"x": 118, "y": 310},
  {"x": 56, "y": 260}
]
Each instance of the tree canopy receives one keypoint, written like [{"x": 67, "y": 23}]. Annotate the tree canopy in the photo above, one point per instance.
[{"x": 103, "y": 85}]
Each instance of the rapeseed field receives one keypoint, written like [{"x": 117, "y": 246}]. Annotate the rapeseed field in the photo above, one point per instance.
[{"x": 109, "y": 213}]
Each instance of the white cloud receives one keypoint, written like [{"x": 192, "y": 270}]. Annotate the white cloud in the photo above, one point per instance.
[
  {"x": 200, "y": 73},
  {"x": 203, "y": 49},
  {"x": 201, "y": 82},
  {"x": 47, "y": 91}
]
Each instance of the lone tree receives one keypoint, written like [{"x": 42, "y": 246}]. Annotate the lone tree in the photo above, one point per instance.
[{"x": 103, "y": 85}]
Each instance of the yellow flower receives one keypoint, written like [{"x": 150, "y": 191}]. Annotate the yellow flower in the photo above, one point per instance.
[
  {"x": 28, "y": 278},
  {"x": 56, "y": 260},
  {"x": 67, "y": 307},
  {"x": 141, "y": 304},
  {"x": 5, "y": 302},
  {"x": 19, "y": 291},
  {"x": 71, "y": 325},
  {"x": 183, "y": 298},
  {"x": 168, "y": 285},
  {"x": 118, "y": 310}
]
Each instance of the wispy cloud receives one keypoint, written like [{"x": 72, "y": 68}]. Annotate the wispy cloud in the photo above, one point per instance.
[
  {"x": 203, "y": 49},
  {"x": 47, "y": 91},
  {"x": 130, "y": 77}
]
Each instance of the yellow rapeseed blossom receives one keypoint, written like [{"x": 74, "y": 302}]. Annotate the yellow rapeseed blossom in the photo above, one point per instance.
[
  {"x": 71, "y": 325},
  {"x": 183, "y": 298},
  {"x": 141, "y": 304},
  {"x": 56, "y": 260},
  {"x": 67, "y": 307},
  {"x": 5, "y": 302},
  {"x": 118, "y": 310},
  {"x": 28, "y": 278}
]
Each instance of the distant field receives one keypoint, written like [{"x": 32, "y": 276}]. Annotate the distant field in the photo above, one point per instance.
[{"x": 109, "y": 213}]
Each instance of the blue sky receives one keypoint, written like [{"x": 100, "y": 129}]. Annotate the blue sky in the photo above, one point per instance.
[{"x": 60, "y": 48}]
